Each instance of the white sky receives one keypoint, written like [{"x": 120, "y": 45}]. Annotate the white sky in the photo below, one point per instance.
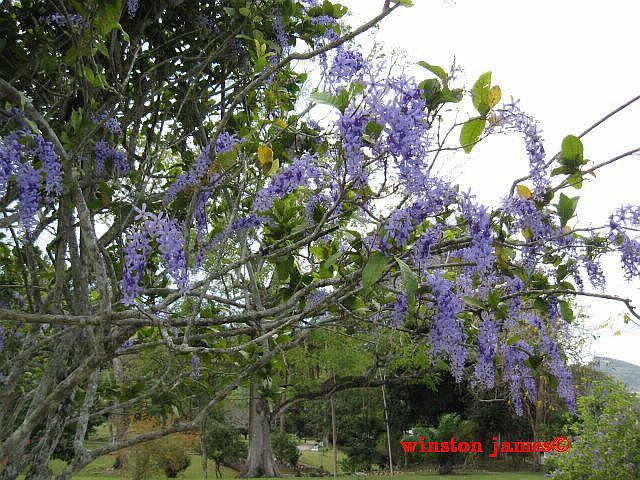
[{"x": 570, "y": 62}]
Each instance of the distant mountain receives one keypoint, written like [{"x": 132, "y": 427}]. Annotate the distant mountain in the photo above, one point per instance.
[{"x": 626, "y": 372}]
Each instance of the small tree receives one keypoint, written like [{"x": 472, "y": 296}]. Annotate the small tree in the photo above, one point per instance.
[
  {"x": 224, "y": 445},
  {"x": 605, "y": 440},
  {"x": 285, "y": 449}
]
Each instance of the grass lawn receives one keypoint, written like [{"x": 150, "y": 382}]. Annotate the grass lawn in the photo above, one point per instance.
[{"x": 101, "y": 469}]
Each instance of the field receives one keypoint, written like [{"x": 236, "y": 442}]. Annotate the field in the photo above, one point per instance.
[{"x": 101, "y": 469}]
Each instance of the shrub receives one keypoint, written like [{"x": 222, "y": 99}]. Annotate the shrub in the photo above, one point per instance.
[
  {"x": 168, "y": 455},
  {"x": 605, "y": 441},
  {"x": 224, "y": 444},
  {"x": 285, "y": 448}
]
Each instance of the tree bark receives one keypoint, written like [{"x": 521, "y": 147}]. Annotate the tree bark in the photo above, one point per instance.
[{"x": 260, "y": 461}]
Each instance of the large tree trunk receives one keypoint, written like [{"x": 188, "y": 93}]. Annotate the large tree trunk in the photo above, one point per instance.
[{"x": 260, "y": 461}]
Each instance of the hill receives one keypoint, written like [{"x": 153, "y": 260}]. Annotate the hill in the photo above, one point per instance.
[{"x": 626, "y": 372}]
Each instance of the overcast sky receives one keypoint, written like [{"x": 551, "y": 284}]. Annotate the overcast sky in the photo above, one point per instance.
[{"x": 569, "y": 62}]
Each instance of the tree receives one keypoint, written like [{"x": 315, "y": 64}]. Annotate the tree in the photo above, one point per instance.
[
  {"x": 166, "y": 186},
  {"x": 605, "y": 439},
  {"x": 224, "y": 445}
]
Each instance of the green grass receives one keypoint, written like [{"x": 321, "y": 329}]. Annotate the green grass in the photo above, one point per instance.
[
  {"x": 101, "y": 469},
  {"x": 316, "y": 459}
]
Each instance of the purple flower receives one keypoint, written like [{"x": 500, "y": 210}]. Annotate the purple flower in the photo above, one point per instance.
[
  {"x": 51, "y": 167},
  {"x": 352, "y": 127},
  {"x": 132, "y": 7},
  {"x": 281, "y": 35},
  {"x": 29, "y": 181},
  {"x": 61, "y": 20},
  {"x": 512, "y": 118},
  {"x": 300, "y": 172},
  {"x": 195, "y": 366},
  {"x": 136, "y": 253},
  {"x": 447, "y": 333},
  {"x": 514, "y": 370},
  {"x": 487, "y": 346},
  {"x": 346, "y": 64},
  {"x": 110, "y": 123},
  {"x": 9, "y": 160},
  {"x": 104, "y": 151},
  {"x": 400, "y": 310}
]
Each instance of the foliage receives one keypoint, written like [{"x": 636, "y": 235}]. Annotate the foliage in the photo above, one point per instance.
[
  {"x": 285, "y": 448},
  {"x": 605, "y": 440},
  {"x": 167, "y": 199},
  {"x": 168, "y": 455},
  {"x": 358, "y": 435},
  {"x": 224, "y": 444},
  {"x": 450, "y": 425}
]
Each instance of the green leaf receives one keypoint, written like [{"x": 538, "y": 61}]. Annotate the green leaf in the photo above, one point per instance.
[
  {"x": 435, "y": 69},
  {"x": 108, "y": 16},
  {"x": 572, "y": 152},
  {"x": 374, "y": 269},
  {"x": 473, "y": 302},
  {"x": 405, "y": 3},
  {"x": 566, "y": 310},
  {"x": 471, "y": 131},
  {"x": 244, "y": 11},
  {"x": 410, "y": 282},
  {"x": 480, "y": 93},
  {"x": 566, "y": 208},
  {"x": 340, "y": 102}
]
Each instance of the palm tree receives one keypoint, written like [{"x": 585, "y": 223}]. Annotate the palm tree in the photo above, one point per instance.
[{"x": 449, "y": 425}]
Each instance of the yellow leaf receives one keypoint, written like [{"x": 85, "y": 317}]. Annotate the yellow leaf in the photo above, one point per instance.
[
  {"x": 274, "y": 167},
  {"x": 523, "y": 191},
  {"x": 617, "y": 333},
  {"x": 281, "y": 123},
  {"x": 265, "y": 155},
  {"x": 495, "y": 94}
]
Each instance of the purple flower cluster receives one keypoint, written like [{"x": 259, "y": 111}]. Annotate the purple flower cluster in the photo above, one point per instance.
[
  {"x": 50, "y": 166},
  {"x": 132, "y": 7},
  {"x": 512, "y": 118},
  {"x": 630, "y": 257},
  {"x": 423, "y": 245},
  {"x": 527, "y": 216},
  {"x": 200, "y": 214},
  {"x": 352, "y": 127},
  {"x": 29, "y": 183},
  {"x": 200, "y": 168},
  {"x": 136, "y": 253},
  {"x": 487, "y": 345},
  {"x": 346, "y": 64},
  {"x": 104, "y": 152},
  {"x": 401, "y": 222},
  {"x": 110, "y": 123},
  {"x": 28, "y": 178},
  {"x": 10, "y": 151},
  {"x": 281, "y": 35},
  {"x": 447, "y": 333},
  {"x": 226, "y": 142},
  {"x": 623, "y": 218},
  {"x": 195, "y": 367},
  {"x": 481, "y": 250},
  {"x": 62, "y": 20},
  {"x": 170, "y": 240},
  {"x": 300, "y": 172},
  {"x": 515, "y": 372},
  {"x": 400, "y": 310}
]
